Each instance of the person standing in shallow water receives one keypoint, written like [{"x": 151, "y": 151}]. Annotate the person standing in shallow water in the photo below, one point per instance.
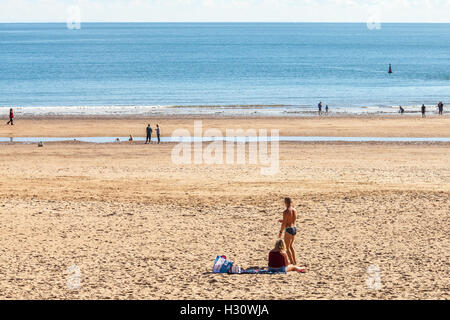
[
  {"x": 149, "y": 134},
  {"x": 290, "y": 229},
  {"x": 158, "y": 133},
  {"x": 423, "y": 110},
  {"x": 319, "y": 106},
  {"x": 11, "y": 117}
]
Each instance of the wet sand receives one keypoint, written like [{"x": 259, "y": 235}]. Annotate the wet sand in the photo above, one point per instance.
[
  {"x": 138, "y": 226},
  {"x": 359, "y": 126}
]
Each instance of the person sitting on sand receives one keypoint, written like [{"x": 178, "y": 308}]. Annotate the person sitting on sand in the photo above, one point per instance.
[
  {"x": 278, "y": 259},
  {"x": 289, "y": 228}
]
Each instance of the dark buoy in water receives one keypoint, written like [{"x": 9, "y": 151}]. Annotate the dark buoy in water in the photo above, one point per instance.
[{"x": 390, "y": 69}]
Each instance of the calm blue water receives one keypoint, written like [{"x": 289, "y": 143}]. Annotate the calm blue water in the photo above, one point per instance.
[{"x": 204, "y": 64}]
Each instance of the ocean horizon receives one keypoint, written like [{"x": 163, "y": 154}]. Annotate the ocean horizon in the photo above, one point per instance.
[{"x": 288, "y": 65}]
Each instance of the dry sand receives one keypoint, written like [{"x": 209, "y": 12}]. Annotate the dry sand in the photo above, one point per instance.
[{"x": 141, "y": 227}]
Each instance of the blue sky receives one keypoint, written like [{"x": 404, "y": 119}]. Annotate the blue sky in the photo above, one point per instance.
[{"x": 228, "y": 10}]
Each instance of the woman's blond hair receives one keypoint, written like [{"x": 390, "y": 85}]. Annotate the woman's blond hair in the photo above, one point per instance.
[{"x": 280, "y": 245}]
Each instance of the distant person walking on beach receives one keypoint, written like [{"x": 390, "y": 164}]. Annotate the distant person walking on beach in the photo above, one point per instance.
[
  {"x": 289, "y": 228},
  {"x": 440, "y": 108},
  {"x": 149, "y": 134},
  {"x": 11, "y": 117},
  {"x": 158, "y": 133},
  {"x": 320, "y": 107},
  {"x": 424, "y": 110}
]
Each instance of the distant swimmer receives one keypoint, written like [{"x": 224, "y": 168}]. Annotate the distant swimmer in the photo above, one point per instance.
[
  {"x": 390, "y": 68},
  {"x": 423, "y": 110}
]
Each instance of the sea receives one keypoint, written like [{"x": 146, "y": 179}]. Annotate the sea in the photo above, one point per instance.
[{"x": 223, "y": 68}]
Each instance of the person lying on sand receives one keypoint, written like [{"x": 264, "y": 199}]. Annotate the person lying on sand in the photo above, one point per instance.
[
  {"x": 289, "y": 228},
  {"x": 278, "y": 259}
]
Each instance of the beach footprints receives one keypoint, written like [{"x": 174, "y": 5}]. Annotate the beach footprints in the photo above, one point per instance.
[
  {"x": 73, "y": 278},
  {"x": 73, "y": 20},
  {"x": 373, "y": 281}
]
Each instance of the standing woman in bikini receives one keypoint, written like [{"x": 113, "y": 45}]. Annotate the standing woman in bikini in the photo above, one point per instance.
[{"x": 289, "y": 228}]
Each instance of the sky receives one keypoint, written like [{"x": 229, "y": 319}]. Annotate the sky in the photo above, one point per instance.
[{"x": 225, "y": 10}]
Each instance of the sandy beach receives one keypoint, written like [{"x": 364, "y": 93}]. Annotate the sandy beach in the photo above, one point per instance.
[
  {"x": 139, "y": 226},
  {"x": 345, "y": 126}
]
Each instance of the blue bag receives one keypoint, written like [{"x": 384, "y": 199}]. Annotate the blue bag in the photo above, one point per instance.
[{"x": 222, "y": 265}]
